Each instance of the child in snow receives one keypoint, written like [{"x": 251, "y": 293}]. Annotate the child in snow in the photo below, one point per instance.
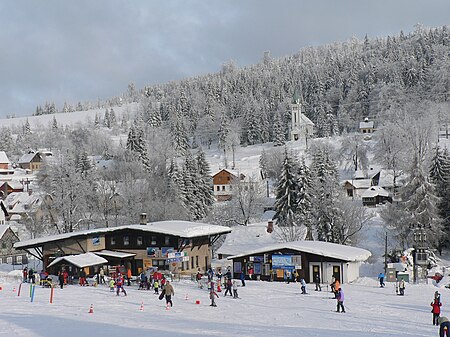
[
  {"x": 235, "y": 293},
  {"x": 340, "y": 300},
  {"x": 156, "y": 286},
  {"x": 119, "y": 285},
  {"x": 303, "y": 283},
  {"x": 381, "y": 278},
  {"x": 401, "y": 287},
  {"x": 436, "y": 310},
  {"x": 111, "y": 284},
  {"x": 212, "y": 295},
  {"x": 228, "y": 287}
]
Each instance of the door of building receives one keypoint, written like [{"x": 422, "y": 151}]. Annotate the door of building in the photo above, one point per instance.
[
  {"x": 337, "y": 273},
  {"x": 316, "y": 273}
]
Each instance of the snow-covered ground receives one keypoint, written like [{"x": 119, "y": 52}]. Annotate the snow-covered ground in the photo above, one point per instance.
[{"x": 265, "y": 309}]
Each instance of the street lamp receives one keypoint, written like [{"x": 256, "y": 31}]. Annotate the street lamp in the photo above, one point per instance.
[{"x": 420, "y": 257}]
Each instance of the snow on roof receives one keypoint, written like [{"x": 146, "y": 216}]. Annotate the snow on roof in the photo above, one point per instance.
[
  {"x": 373, "y": 191},
  {"x": 244, "y": 238},
  {"x": 22, "y": 202},
  {"x": 333, "y": 250},
  {"x": 235, "y": 173},
  {"x": 184, "y": 229},
  {"x": 4, "y": 158},
  {"x": 14, "y": 184},
  {"x": 3, "y": 229},
  {"x": 112, "y": 253},
  {"x": 26, "y": 158},
  {"x": 81, "y": 260},
  {"x": 360, "y": 183},
  {"x": 366, "y": 125}
]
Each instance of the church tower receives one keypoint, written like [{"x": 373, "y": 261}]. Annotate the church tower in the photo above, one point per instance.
[{"x": 301, "y": 126}]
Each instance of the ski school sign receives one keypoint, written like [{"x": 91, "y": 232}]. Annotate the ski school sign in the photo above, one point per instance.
[
  {"x": 286, "y": 262},
  {"x": 177, "y": 257}
]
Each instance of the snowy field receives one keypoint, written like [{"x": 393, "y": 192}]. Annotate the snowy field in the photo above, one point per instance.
[{"x": 265, "y": 309}]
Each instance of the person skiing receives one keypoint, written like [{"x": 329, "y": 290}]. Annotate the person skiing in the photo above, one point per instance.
[
  {"x": 156, "y": 286},
  {"x": 101, "y": 279},
  {"x": 303, "y": 287},
  {"x": 317, "y": 282},
  {"x": 212, "y": 296},
  {"x": 228, "y": 287},
  {"x": 340, "y": 300},
  {"x": 401, "y": 287},
  {"x": 436, "y": 305},
  {"x": 235, "y": 293},
  {"x": 119, "y": 285},
  {"x": 111, "y": 284},
  {"x": 168, "y": 292},
  {"x": 381, "y": 278},
  {"x": 444, "y": 326}
]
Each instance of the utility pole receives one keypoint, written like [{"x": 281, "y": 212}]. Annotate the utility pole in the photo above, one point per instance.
[{"x": 385, "y": 254}]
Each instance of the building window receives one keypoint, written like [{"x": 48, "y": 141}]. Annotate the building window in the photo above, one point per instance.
[
  {"x": 19, "y": 259},
  {"x": 167, "y": 240},
  {"x": 9, "y": 260},
  {"x": 192, "y": 262},
  {"x": 196, "y": 261},
  {"x": 349, "y": 192},
  {"x": 139, "y": 241},
  {"x": 228, "y": 178},
  {"x": 113, "y": 241},
  {"x": 153, "y": 241},
  {"x": 126, "y": 240},
  {"x": 218, "y": 188},
  {"x": 223, "y": 188}
]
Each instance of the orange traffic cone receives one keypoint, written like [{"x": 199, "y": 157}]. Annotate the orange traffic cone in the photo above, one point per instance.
[
  {"x": 142, "y": 307},
  {"x": 91, "y": 309}
]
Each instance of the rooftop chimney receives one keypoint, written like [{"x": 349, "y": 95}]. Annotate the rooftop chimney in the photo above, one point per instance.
[
  {"x": 143, "y": 219},
  {"x": 270, "y": 226}
]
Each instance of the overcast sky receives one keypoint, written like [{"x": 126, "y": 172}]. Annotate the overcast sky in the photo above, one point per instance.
[{"x": 55, "y": 50}]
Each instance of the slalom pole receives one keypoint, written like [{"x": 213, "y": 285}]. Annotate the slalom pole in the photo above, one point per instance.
[
  {"x": 32, "y": 293},
  {"x": 31, "y": 288},
  {"x": 20, "y": 287},
  {"x": 51, "y": 294}
]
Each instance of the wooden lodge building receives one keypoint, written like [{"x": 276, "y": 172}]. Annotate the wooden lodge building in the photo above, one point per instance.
[
  {"x": 309, "y": 258},
  {"x": 180, "y": 247}
]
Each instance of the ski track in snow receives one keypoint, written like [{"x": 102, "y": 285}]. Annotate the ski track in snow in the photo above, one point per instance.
[{"x": 268, "y": 309}]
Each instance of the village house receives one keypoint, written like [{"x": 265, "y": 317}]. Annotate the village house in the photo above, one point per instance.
[
  {"x": 8, "y": 238},
  {"x": 366, "y": 127},
  {"x": 10, "y": 186},
  {"x": 181, "y": 247},
  {"x": 223, "y": 183},
  {"x": 31, "y": 161},
  {"x": 4, "y": 164}
]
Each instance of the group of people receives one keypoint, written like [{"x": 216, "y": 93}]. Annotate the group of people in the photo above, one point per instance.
[{"x": 442, "y": 322}]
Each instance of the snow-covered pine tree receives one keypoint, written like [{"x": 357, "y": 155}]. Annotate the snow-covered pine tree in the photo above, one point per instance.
[
  {"x": 287, "y": 192},
  {"x": 6, "y": 140},
  {"x": 96, "y": 121},
  {"x": 112, "y": 118},
  {"x": 54, "y": 123},
  {"x": 106, "y": 121},
  {"x": 440, "y": 176},
  {"x": 27, "y": 128},
  {"x": 420, "y": 201},
  {"x": 325, "y": 187},
  {"x": 304, "y": 204},
  {"x": 204, "y": 183},
  {"x": 278, "y": 130},
  {"x": 136, "y": 143}
]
